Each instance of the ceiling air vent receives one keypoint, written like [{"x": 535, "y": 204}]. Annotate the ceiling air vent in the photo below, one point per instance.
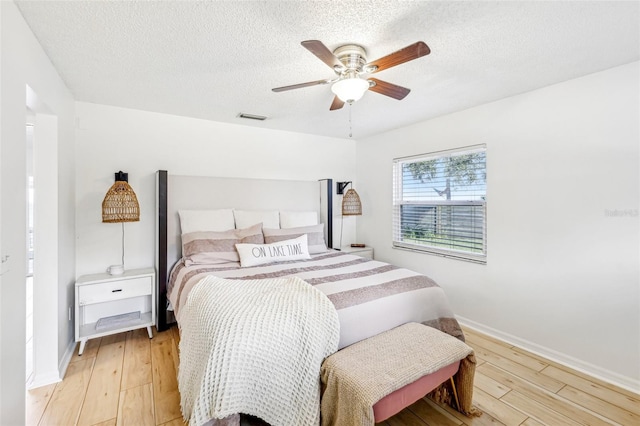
[{"x": 252, "y": 116}]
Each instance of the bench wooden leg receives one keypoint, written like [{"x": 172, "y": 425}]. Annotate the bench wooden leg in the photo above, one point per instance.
[{"x": 455, "y": 393}]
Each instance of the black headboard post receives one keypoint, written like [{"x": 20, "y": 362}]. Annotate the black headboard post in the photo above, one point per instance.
[
  {"x": 329, "y": 212},
  {"x": 161, "y": 297}
]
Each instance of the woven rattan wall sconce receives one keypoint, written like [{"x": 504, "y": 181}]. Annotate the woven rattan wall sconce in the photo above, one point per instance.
[
  {"x": 120, "y": 205},
  {"x": 351, "y": 205}
]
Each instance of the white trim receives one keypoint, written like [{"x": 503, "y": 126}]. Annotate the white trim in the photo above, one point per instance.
[
  {"x": 66, "y": 359},
  {"x": 420, "y": 157},
  {"x": 595, "y": 371},
  {"x": 448, "y": 253},
  {"x": 44, "y": 380},
  {"x": 54, "y": 376}
]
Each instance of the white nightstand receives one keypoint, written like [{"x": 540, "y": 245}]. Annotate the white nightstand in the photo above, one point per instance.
[
  {"x": 358, "y": 251},
  {"x": 108, "y": 304}
]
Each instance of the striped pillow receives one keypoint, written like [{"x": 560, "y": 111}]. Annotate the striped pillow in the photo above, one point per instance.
[
  {"x": 315, "y": 236},
  {"x": 218, "y": 247}
]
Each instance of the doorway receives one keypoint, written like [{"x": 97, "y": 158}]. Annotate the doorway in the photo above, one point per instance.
[{"x": 41, "y": 233}]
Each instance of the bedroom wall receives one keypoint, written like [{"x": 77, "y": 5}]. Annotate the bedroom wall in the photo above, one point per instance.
[
  {"x": 23, "y": 63},
  {"x": 562, "y": 274},
  {"x": 140, "y": 143}
]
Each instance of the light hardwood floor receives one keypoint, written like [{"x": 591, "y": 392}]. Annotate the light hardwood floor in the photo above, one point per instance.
[{"x": 129, "y": 379}]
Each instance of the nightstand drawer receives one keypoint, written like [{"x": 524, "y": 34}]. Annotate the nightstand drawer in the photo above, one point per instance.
[{"x": 114, "y": 290}]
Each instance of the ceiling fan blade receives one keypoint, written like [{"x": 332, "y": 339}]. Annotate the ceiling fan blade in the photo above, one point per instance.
[
  {"x": 301, "y": 85},
  {"x": 322, "y": 52},
  {"x": 392, "y": 90},
  {"x": 409, "y": 53},
  {"x": 336, "y": 104}
]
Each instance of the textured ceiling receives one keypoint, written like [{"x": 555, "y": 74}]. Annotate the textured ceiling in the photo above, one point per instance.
[{"x": 215, "y": 59}]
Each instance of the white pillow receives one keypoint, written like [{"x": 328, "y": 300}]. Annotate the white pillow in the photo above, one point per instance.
[
  {"x": 206, "y": 220},
  {"x": 247, "y": 218},
  {"x": 297, "y": 219},
  {"x": 259, "y": 254}
]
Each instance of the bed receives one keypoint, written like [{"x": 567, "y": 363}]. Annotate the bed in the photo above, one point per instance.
[{"x": 368, "y": 296}]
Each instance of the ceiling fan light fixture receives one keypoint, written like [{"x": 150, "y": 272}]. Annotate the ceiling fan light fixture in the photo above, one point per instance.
[
  {"x": 350, "y": 89},
  {"x": 349, "y": 62}
]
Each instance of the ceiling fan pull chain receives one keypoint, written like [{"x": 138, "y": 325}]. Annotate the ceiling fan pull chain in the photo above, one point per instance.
[{"x": 350, "y": 128}]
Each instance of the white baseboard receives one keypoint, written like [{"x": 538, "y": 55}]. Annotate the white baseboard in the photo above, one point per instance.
[
  {"x": 40, "y": 380},
  {"x": 66, "y": 359},
  {"x": 595, "y": 371},
  {"x": 54, "y": 376}
]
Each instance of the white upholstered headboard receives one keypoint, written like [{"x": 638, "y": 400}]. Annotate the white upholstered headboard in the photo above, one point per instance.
[{"x": 176, "y": 192}]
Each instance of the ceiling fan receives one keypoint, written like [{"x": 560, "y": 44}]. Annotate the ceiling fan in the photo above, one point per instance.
[{"x": 350, "y": 64}]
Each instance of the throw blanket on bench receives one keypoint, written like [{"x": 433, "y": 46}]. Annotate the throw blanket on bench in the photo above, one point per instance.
[
  {"x": 255, "y": 347},
  {"x": 358, "y": 376}
]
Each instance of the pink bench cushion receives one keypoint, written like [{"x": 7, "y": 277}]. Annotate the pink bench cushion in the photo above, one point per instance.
[{"x": 397, "y": 401}]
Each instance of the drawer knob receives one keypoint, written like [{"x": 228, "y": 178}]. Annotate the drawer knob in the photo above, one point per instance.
[{"x": 115, "y": 291}]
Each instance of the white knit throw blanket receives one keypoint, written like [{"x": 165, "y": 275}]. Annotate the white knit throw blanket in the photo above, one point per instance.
[{"x": 255, "y": 347}]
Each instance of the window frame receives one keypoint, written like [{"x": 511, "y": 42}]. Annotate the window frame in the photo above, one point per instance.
[{"x": 398, "y": 202}]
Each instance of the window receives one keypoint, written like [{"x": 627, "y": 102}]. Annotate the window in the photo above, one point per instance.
[{"x": 439, "y": 203}]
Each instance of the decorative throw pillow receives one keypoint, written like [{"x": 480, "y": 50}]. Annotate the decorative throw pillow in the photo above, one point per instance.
[
  {"x": 297, "y": 219},
  {"x": 259, "y": 254},
  {"x": 246, "y": 218},
  {"x": 315, "y": 236},
  {"x": 206, "y": 220},
  {"x": 218, "y": 247}
]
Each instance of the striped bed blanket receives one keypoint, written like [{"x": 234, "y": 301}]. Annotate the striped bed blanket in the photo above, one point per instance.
[{"x": 369, "y": 296}]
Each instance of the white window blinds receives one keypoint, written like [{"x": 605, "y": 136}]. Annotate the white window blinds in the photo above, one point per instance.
[{"x": 439, "y": 203}]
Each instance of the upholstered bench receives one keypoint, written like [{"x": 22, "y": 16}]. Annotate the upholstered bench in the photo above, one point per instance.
[{"x": 376, "y": 378}]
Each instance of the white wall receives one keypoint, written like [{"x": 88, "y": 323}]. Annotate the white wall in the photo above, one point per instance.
[
  {"x": 140, "y": 143},
  {"x": 562, "y": 277},
  {"x": 22, "y": 63},
  {"x": 5, "y": 403}
]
